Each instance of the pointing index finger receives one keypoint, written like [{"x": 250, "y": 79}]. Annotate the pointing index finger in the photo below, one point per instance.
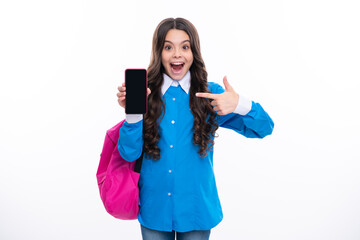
[{"x": 206, "y": 95}]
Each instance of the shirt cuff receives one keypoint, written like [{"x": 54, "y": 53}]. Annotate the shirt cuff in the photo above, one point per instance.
[
  {"x": 244, "y": 106},
  {"x": 133, "y": 118}
]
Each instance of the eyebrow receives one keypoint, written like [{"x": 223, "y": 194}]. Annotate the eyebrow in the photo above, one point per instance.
[{"x": 180, "y": 43}]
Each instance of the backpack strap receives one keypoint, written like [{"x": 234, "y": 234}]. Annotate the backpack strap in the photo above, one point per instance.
[{"x": 138, "y": 163}]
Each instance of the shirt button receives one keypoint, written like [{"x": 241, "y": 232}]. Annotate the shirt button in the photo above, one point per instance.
[
  {"x": 169, "y": 194},
  {"x": 173, "y": 99},
  {"x": 170, "y": 171},
  {"x": 171, "y": 146},
  {"x": 172, "y": 121}
]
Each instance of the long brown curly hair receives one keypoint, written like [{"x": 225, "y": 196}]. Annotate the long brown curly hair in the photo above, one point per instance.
[{"x": 205, "y": 118}]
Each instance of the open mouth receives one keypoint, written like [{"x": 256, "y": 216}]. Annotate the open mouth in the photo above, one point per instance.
[{"x": 177, "y": 67}]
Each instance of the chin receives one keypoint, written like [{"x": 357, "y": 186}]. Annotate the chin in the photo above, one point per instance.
[{"x": 177, "y": 77}]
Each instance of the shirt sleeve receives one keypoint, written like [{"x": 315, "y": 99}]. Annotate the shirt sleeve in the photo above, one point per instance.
[
  {"x": 244, "y": 106},
  {"x": 133, "y": 118},
  {"x": 130, "y": 143},
  {"x": 253, "y": 123}
]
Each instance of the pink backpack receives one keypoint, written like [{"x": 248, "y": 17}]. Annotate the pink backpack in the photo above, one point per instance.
[{"x": 118, "y": 179}]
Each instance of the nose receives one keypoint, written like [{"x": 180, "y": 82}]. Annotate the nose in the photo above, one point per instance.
[{"x": 177, "y": 53}]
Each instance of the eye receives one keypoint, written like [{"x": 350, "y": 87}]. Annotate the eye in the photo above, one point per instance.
[
  {"x": 186, "y": 47},
  {"x": 167, "y": 47}
]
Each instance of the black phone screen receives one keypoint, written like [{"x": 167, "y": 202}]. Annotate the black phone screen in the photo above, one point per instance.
[{"x": 136, "y": 85}]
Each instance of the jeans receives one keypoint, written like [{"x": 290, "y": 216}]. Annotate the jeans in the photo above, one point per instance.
[{"x": 149, "y": 234}]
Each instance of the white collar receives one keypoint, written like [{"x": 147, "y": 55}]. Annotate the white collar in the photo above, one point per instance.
[{"x": 184, "y": 83}]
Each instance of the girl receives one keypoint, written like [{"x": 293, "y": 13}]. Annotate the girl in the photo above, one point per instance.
[{"x": 178, "y": 194}]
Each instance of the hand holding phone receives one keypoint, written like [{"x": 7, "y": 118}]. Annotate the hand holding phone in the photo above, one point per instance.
[{"x": 133, "y": 93}]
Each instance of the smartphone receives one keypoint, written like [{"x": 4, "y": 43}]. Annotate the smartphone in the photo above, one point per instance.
[{"x": 136, "y": 88}]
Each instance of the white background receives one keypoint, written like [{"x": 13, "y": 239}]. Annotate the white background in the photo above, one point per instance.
[{"x": 61, "y": 63}]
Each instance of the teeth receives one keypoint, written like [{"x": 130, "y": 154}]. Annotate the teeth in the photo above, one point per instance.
[{"x": 176, "y": 63}]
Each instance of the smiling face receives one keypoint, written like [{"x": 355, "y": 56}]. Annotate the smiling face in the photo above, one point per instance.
[{"x": 176, "y": 56}]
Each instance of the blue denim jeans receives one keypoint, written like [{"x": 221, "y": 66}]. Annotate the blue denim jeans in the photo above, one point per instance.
[{"x": 149, "y": 234}]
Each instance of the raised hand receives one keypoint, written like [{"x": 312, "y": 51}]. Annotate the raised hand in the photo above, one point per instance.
[{"x": 225, "y": 102}]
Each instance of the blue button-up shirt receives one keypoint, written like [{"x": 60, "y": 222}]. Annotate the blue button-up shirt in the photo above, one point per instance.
[{"x": 178, "y": 192}]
